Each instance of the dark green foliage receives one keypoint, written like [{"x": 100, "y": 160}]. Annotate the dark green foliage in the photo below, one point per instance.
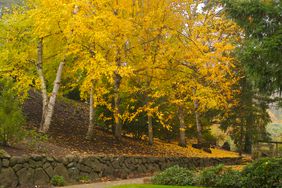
[
  {"x": 209, "y": 138},
  {"x": 220, "y": 176},
  {"x": 35, "y": 139},
  {"x": 58, "y": 181},
  {"x": 229, "y": 178},
  {"x": 248, "y": 118},
  {"x": 263, "y": 173},
  {"x": 11, "y": 116},
  {"x": 174, "y": 176},
  {"x": 261, "y": 49},
  {"x": 73, "y": 94},
  {"x": 208, "y": 176}
]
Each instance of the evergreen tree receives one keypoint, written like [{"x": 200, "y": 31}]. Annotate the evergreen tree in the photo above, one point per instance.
[
  {"x": 11, "y": 116},
  {"x": 261, "y": 50},
  {"x": 248, "y": 119}
]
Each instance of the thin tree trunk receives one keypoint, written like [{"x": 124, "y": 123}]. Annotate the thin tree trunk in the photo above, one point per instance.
[
  {"x": 150, "y": 129},
  {"x": 198, "y": 124},
  {"x": 182, "y": 127},
  {"x": 248, "y": 131},
  {"x": 51, "y": 104},
  {"x": 241, "y": 139},
  {"x": 40, "y": 73},
  {"x": 117, "y": 79},
  {"x": 90, "y": 131},
  {"x": 117, "y": 110},
  {"x": 248, "y": 140}
]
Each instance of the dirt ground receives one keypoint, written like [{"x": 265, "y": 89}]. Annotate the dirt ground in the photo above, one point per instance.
[{"x": 68, "y": 130}]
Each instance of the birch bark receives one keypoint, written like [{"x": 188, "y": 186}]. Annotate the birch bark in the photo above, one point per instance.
[
  {"x": 52, "y": 101},
  {"x": 39, "y": 67},
  {"x": 90, "y": 131},
  {"x": 198, "y": 124}
]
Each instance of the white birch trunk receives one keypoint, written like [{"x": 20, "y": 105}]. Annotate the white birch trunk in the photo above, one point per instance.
[
  {"x": 198, "y": 124},
  {"x": 40, "y": 73},
  {"x": 90, "y": 131},
  {"x": 51, "y": 104}
]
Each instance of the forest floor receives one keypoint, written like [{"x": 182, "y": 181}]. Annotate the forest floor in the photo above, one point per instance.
[{"x": 68, "y": 130}]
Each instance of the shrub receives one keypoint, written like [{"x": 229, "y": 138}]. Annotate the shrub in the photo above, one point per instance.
[
  {"x": 263, "y": 173},
  {"x": 221, "y": 177},
  {"x": 35, "y": 138},
  {"x": 208, "y": 176},
  {"x": 2, "y": 153},
  {"x": 11, "y": 116},
  {"x": 229, "y": 178},
  {"x": 84, "y": 179},
  {"x": 58, "y": 181},
  {"x": 209, "y": 138},
  {"x": 174, "y": 176}
]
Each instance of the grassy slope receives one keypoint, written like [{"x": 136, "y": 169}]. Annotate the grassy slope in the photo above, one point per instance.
[{"x": 275, "y": 128}]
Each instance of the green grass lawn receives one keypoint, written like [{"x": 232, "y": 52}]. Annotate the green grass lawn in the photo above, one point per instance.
[{"x": 152, "y": 186}]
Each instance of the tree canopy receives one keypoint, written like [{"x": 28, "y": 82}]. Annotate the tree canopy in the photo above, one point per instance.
[
  {"x": 261, "y": 50},
  {"x": 166, "y": 65}
]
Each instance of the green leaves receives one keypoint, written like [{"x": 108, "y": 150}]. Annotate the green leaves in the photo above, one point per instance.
[
  {"x": 175, "y": 176},
  {"x": 265, "y": 173},
  {"x": 261, "y": 50},
  {"x": 11, "y": 117}
]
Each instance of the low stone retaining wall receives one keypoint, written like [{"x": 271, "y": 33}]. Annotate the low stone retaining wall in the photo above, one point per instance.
[{"x": 38, "y": 170}]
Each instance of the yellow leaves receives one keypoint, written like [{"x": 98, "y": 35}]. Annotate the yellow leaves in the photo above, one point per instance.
[
  {"x": 127, "y": 116},
  {"x": 207, "y": 42},
  {"x": 164, "y": 49},
  {"x": 125, "y": 71},
  {"x": 50, "y": 16},
  {"x": 104, "y": 118}
]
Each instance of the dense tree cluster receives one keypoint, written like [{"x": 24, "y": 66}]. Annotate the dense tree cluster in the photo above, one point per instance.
[{"x": 162, "y": 66}]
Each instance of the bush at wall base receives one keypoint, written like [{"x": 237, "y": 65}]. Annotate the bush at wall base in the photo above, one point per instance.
[
  {"x": 58, "y": 181},
  {"x": 174, "y": 176}
]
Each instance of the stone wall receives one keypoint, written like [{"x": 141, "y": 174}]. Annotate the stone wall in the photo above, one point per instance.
[{"x": 26, "y": 171}]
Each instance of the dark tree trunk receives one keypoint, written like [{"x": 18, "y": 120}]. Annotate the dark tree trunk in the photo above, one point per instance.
[
  {"x": 182, "y": 127},
  {"x": 150, "y": 130},
  {"x": 117, "y": 109}
]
